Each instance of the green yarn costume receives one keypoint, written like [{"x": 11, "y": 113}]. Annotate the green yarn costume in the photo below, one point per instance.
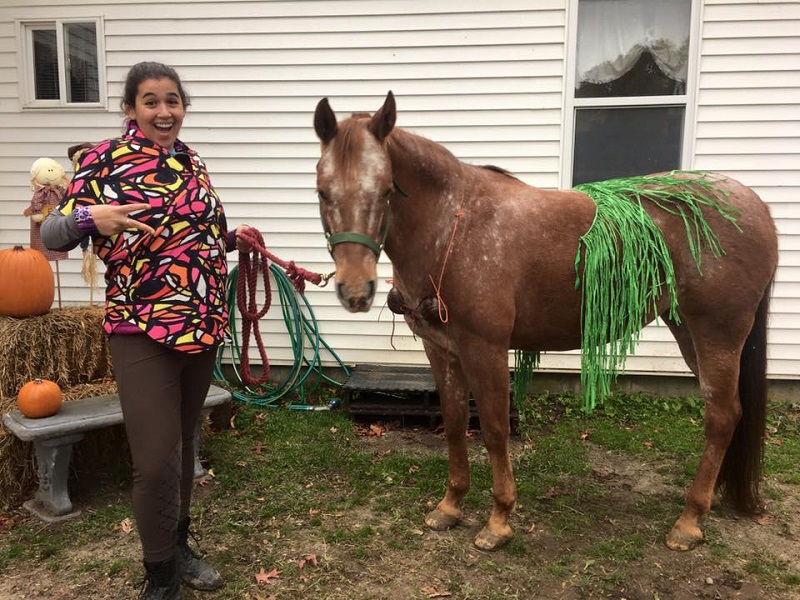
[{"x": 626, "y": 261}]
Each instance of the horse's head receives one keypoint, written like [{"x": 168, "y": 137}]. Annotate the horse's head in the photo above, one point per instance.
[{"x": 354, "y": 182}]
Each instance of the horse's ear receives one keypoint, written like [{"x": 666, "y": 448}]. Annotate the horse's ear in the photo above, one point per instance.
[
  {"x": 383, "y": 121},
  {"x": 325, "y": 121}
]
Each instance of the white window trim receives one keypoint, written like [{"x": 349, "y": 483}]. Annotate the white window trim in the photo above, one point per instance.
[
  {"x": 571, "y": 103},
  {"x": 25, "y": 70}
]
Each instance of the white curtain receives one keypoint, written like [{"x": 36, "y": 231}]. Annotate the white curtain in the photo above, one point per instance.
[{"x": 613, "y": 34}]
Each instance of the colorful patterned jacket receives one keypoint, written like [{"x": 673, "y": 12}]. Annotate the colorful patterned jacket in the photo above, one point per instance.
[{"x": 171, "y": 285}]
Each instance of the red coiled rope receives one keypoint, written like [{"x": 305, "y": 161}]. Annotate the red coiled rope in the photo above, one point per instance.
[{"x": 250, "y": 265}]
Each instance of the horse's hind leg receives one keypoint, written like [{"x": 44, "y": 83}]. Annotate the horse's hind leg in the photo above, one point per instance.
[
  {"x": 716, "y": 363},
  {"x": 454, "y": 399}
]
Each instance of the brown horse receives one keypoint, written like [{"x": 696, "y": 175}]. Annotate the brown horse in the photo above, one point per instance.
[{"x": 484, "y": 263}]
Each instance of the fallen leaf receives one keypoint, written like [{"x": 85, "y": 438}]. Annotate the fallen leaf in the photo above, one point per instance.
[
  {"x": 648, "y": 445},
  {"x": 376, "y": 430},
  {"x": 210, "y": 473},
  {"x": 602, "y": 472},
  {"x": 432, "y": 592},
  {"x": 126, "y": 525},
  {"x": 263, "y": 576},
  {"x": 308, "y": 558},
  {"x": 763, "y": 520},
  {"x": 551, "y": 493},
  {"x": 379, "y": 455},
  {"x": 584, "y": 435},
  {"x": 6, "y": 523}
]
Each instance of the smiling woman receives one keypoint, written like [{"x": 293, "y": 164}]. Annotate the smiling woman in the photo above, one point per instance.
[{"x": 146, "y": 200}]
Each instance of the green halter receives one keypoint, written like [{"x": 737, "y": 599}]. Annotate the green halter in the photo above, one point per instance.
[{"x": 357, "y": 237}]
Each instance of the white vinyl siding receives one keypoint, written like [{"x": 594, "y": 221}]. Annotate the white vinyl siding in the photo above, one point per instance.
[
  {"x": 748, "y": 125},
  {"x": 486, "y": 79}
]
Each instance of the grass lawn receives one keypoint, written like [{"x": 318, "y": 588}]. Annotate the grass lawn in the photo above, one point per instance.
[{"x": 318, "y": 505}]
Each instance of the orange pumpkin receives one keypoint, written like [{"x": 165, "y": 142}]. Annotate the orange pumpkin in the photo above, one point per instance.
[
  {"x": 26, "y": 283},
  {"x": 39, "y": 398}
]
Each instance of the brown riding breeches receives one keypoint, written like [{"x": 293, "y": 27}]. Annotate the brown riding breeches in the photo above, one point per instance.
[{"x": 162, "y": 392}]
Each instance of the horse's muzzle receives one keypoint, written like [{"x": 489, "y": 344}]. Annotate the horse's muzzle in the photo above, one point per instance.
[{"x": 356, "y": 300}]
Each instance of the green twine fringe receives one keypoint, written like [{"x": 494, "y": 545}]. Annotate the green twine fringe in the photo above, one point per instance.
[
  {"x": 627, "y": 261},
  {"x": 524, "y": 365}
]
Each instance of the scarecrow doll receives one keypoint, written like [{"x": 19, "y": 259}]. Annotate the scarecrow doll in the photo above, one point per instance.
[{"x": 49, "y": 184}]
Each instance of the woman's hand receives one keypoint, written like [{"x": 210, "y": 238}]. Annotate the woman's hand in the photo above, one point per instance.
[
  {"x": 110, "y": 219},
  {"x": 243, "y": 245}
]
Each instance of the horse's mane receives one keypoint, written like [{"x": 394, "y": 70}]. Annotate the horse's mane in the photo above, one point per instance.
[
  {"x": 500, "y": 170},
  {"x": 437, "y": 158},
  {"x": 431, "y": 157}
]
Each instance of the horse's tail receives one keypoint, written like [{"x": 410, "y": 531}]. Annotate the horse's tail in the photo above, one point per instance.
[{"x": 740, "y": 475}]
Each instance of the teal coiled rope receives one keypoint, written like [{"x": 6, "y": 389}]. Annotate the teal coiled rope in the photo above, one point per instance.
[{"x": 306, "y": 343}]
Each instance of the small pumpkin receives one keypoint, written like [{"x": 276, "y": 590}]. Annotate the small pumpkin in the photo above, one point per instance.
[
  {"x": 26, "y": 283},
  {"x": 39, "y": 398}
]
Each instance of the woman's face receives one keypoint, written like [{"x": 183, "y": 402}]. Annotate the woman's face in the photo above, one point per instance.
[{"x": 159, "y": 110}]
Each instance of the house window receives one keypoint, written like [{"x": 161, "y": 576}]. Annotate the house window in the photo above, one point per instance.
[
  {"x": 62, "y": 63},
  {"x": 630, "y": 87}
]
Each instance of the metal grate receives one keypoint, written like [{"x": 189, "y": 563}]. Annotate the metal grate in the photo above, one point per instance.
[
  {"x": 391, "y": 391},
  {"x": 390, "y": 379},
  {"x": 396, "y": 391}
]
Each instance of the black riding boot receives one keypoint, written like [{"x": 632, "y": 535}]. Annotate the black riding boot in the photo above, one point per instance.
[
  {"x": 194, "y": 571},
  {"x": 162, "y": 581}
]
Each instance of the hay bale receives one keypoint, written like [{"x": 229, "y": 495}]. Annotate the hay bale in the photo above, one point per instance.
[{"x": 67, "y": 346}]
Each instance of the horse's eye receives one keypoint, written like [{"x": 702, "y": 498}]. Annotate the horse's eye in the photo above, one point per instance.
[
  {"x": 322, "y": 195},
  {"x": 387, "y": 193}
]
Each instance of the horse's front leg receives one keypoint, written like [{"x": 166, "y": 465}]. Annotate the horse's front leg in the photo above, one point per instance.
[
  {"x": 486, "y": 369},
  {"x": 454, "y": 399}
]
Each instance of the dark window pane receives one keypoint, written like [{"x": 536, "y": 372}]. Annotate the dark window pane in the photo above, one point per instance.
[
  {"x": 45, "y": 64},
  {"x": 620, "y": 142},
  {"x": 80, "y": 41}
]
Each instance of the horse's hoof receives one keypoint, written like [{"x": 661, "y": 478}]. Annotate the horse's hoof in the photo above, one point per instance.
[
  {"x": 491, "y": 541},
  {"x": 439, "y": 521},
  {"x": 681, "y": 540}
]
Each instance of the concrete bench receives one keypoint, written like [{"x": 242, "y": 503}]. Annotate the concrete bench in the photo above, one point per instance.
[{"x": 53, "y": 437}]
